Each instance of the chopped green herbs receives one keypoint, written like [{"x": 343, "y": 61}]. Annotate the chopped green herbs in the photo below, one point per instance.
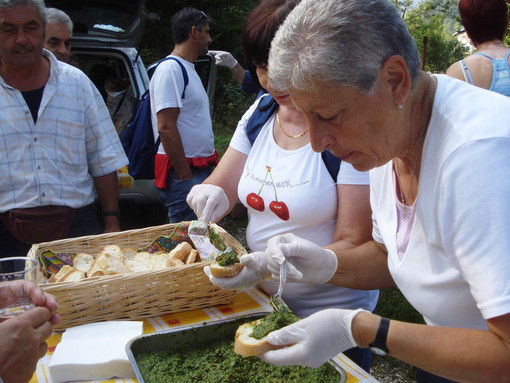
[
  {"x": 274, "y": 321},
  {"x": 216, "y": 240},
  {"x": 219, "y": 364},
  {"x": 227, "y": 258}
]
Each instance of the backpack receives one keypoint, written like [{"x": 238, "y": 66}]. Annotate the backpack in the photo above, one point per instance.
[
  {"x": 138, "y": 139},
  {"x": 265, "y": 109}
]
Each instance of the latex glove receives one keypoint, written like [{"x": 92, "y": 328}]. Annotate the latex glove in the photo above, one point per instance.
[
  {"x": 254, "y": 271},
  {"x": 224, "y": 59},
  {"x": 209, "y": 202},
  {"x": 314, "y": 340},
  {"x": 22, "y": 344},
  {"x": 306, "y": 261}
]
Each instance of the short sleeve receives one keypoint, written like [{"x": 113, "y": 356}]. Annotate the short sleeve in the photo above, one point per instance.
[
  {"x": 168, "y": 84},
  {"x": 240, "y": 141},
  {"x": 474, "y": 220},
  {"x": 350, "y": 176}
]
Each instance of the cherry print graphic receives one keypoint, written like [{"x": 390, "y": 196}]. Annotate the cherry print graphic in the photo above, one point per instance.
[
  {"x": 280, "y": 209},
  {"x": 255, "y": 201}
]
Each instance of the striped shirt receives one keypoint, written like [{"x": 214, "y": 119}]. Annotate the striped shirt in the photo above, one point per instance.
[{"x": 53, "y": 161}]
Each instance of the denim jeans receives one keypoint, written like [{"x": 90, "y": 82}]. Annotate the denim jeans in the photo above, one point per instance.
[{"x": 174, "y": 196}]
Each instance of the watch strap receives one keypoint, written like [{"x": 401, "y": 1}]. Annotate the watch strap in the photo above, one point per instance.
[
  {"x": 381, "y": 336},
  {"x": 108, "y": 213}
]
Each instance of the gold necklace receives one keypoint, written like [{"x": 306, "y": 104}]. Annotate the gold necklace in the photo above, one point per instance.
[
  {"x": 175, "y": 53},
  {"x": 287, "y": 134},
  {"x": 420, "y": 138}
]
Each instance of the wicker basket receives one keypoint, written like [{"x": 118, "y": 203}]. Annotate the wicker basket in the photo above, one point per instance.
[{"x": 134, "y": 295}]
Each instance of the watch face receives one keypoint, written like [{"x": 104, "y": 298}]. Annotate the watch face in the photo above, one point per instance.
[{"x": 377, "y": 351}]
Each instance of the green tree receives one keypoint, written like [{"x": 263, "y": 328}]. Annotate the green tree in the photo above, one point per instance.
[
  {"x": 437, "y": 20},
  {"x": 227, "y": 20}
]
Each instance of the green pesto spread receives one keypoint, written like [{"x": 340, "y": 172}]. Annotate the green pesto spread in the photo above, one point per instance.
[
  {"x": 227, "y": 258},
  {"x": 216, "y": 240},
  {"x": 219, "y": 364},
  {"x": 274, "y": 321}
]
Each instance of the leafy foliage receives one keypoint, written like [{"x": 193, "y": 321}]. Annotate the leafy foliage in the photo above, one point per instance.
[
  {"x": 230, "y": 102},
  {"x": 436, "y": 20}
]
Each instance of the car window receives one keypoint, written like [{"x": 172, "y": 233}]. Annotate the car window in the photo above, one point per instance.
[{"x": 112, "y": 79}]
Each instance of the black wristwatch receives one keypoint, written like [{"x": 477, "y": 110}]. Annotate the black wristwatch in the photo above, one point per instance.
[
  {"x": 108, "y": 213},
  {"x": 378, "y": 346}
]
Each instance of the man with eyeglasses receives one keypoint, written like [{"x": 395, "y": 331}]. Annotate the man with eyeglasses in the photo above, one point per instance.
[{"x": 180, "y": 116}]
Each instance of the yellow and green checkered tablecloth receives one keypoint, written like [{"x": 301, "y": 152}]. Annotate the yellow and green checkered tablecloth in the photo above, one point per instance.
[{"x": 248, "y": 302}]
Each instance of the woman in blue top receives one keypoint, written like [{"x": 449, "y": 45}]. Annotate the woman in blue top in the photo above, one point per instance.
[{"x": 486, "y": 23}]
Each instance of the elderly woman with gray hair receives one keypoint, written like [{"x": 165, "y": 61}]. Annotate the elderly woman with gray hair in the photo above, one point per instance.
[{"x": 440, "y": 194}]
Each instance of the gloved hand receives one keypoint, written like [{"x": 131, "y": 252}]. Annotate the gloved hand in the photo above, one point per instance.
[
  {"x": 314, "y": 340},
  {"x": 224, "y": 59},
  {"x": 209, "y": 202},
  {"x": 254, "y": 271},
  {"x": 306, "y": 261}
]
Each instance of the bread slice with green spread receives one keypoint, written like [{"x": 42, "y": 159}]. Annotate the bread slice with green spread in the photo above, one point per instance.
[
  {"x": 226, "y": 265},
  {"x": 251, "y": 338},
  {"x": 246, "y": 345}
]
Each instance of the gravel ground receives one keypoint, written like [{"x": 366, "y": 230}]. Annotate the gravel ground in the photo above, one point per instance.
[{"x": 384, "y": 369}]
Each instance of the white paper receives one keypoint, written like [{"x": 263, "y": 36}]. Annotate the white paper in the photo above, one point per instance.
[{"x": 94, "y": 351}]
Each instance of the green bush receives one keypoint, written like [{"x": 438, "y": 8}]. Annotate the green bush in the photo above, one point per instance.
[{"x": 230, "y": 103}]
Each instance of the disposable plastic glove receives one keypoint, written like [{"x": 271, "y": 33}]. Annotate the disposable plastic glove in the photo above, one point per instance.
[
  {"x": 314, "y": 340},
  {"x": 224, "y": 59},
  {"x": 306, "y": 261},
  {"x": 254, "y": 271},
  {"x": 209, "y": 202}
]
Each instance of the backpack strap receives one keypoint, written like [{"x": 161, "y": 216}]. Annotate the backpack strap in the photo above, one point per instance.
[
  {"x": 186, "y": 82},
  {"x": 265, "y": 109},
  {"x": 184, "y": 73},
  {"x": 332, "y": 164}
]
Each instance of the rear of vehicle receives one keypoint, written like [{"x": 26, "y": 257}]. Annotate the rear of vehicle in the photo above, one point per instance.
[{"x": 105, "y": 36}]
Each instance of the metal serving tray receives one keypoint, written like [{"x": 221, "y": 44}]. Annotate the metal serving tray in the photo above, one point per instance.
[{"x": 201, "y": 335}]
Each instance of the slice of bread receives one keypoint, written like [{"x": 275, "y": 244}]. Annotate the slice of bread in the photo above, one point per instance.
[
  {"x": 83, "y": 262},
  {"x": 192, "y": 257},
  {"x": 140, "y": 262},
  {"x": 181, "y": 251},
  {"x": 161, "y": 261},
  {"x": 128, "y": 253},
  {"x": 73, "y": 275},
  {"x": 245, "y": 345},
  {"x": 178, "y": 262},
  {"x": 57, "y": 277},
  {"x": 229, "y": 271},
  {"x": 114, "y": 251},
  {"x": 107, "y": 264}
]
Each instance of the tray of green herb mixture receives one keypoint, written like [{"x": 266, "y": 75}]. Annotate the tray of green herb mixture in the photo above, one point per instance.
[{"x": 205, "y": 353}]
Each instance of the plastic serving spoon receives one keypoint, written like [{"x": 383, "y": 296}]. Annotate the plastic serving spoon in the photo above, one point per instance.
[{"x": 276, "y": 300}]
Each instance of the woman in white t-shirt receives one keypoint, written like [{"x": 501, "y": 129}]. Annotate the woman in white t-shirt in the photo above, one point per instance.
[
  {"x": 438, "y": 151},
  {"x": 286, "y": 187}
]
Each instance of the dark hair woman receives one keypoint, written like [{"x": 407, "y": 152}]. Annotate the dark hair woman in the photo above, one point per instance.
[
  {"x": 286, "y": 187},
  {"x": 486, "y": 23}
]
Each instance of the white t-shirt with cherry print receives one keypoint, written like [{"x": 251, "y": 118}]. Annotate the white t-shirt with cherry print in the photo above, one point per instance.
[{"x": 292, "y": 191}]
